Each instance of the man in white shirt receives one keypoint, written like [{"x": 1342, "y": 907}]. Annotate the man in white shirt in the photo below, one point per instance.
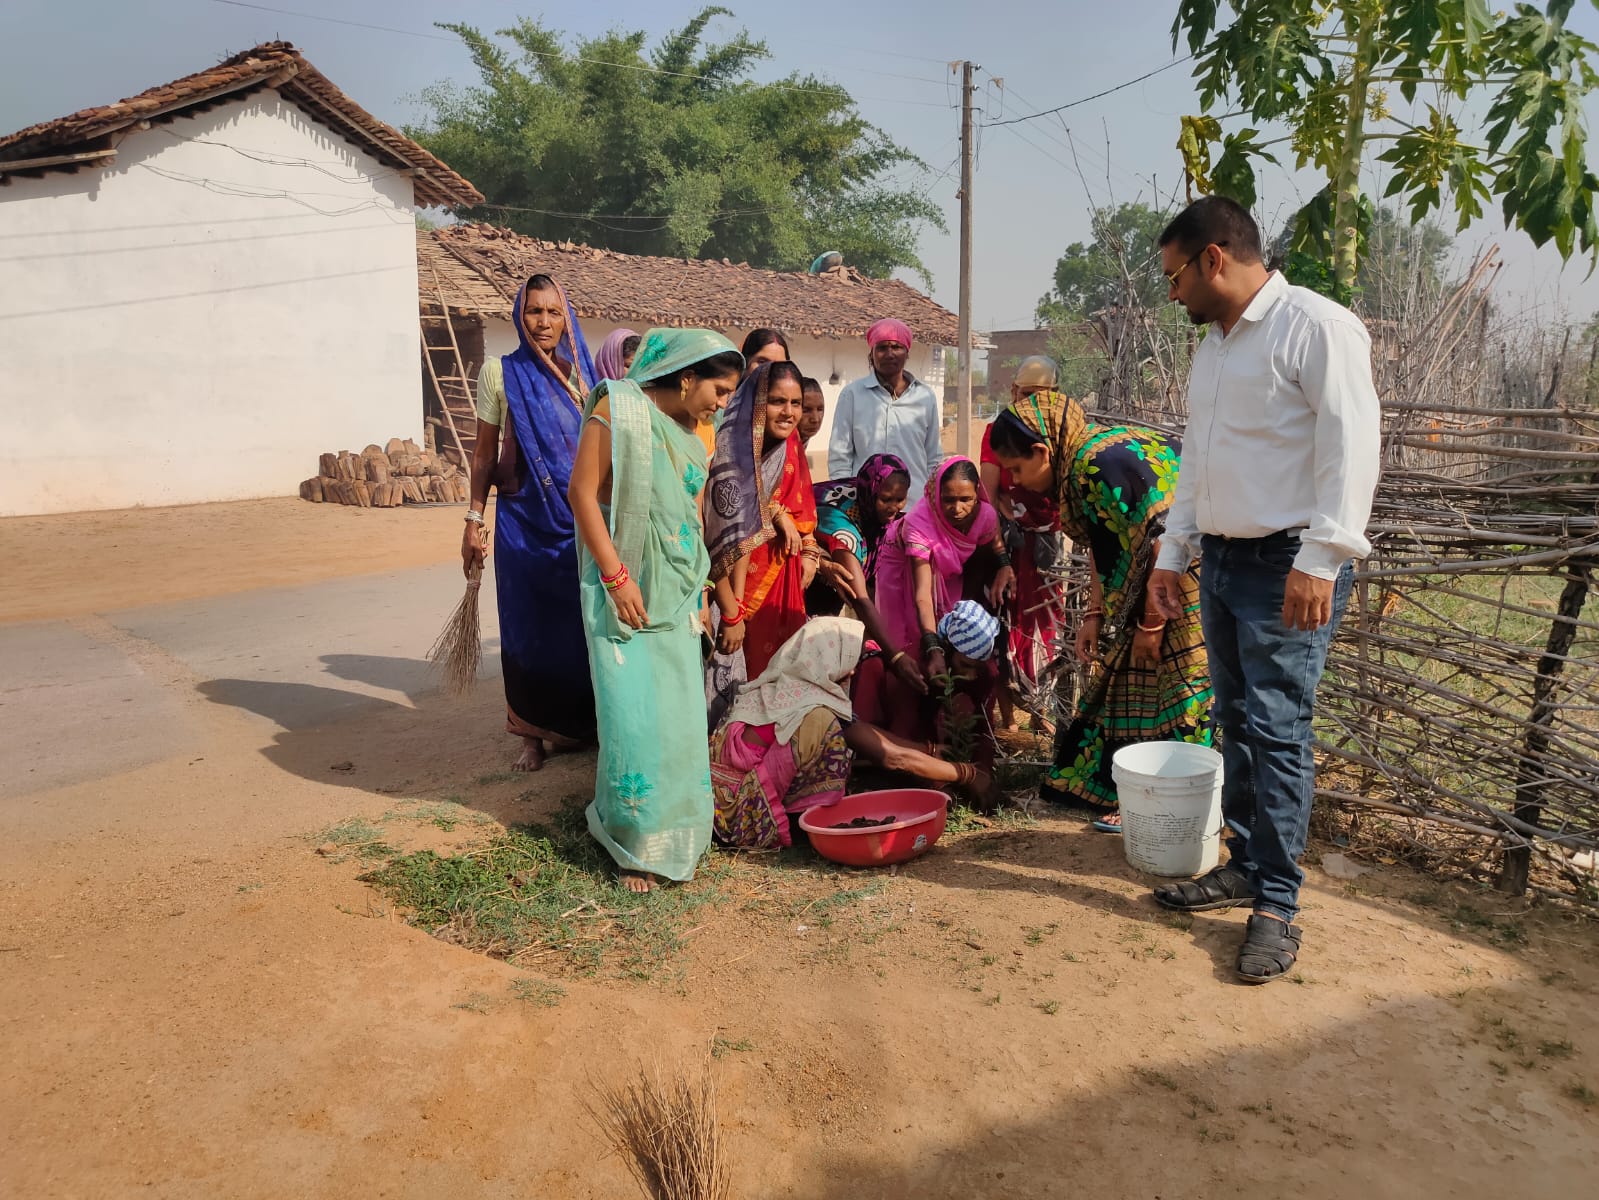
[
  {"x": 889, "y": 411},
  {"x": 1280, "y": 462}
]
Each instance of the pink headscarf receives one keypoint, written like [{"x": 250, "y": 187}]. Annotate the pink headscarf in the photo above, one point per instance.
[
  {"x": 889, "y": 330},
  {"x": 928, "y": 535},
  {"x": 608, "y": 362}
]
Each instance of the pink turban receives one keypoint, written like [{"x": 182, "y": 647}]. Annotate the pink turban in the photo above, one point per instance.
[{"x": 889, "y": 330}]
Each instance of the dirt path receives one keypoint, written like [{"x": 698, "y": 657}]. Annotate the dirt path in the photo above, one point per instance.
[
  {"x": 196, "y": 1003},
  {"x": 77, "y": 563}
]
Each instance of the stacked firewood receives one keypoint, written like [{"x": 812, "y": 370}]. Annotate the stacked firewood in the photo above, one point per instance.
[{"x": 387, "y": 477}]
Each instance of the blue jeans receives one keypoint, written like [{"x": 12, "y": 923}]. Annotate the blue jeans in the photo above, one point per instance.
[{"x": 1265, "y": 678}]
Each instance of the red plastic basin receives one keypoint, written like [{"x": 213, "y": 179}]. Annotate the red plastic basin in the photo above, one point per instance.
[{"x": 919, "y": 815}]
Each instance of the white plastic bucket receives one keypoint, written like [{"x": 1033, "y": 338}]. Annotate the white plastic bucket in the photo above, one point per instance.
[{"x": 1170, "y": 795}]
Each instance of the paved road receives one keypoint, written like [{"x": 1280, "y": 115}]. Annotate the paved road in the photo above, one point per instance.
[{"x": 84, "y": 699}]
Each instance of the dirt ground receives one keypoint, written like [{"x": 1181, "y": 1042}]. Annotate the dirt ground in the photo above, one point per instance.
[
  {"x": 73, "y": 564},
  {"x": 196, "y": 1003}
]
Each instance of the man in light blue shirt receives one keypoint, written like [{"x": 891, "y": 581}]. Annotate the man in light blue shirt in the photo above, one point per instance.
[{"x": 889, "y": 411}]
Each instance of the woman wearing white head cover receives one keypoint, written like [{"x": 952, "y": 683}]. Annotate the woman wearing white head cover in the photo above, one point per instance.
[{"x": 790, "y": 738}]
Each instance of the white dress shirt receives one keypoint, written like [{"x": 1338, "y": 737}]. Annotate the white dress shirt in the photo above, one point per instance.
[
  {"x": 869, "y": 420},
  {"x": 1283, "y": 432}
]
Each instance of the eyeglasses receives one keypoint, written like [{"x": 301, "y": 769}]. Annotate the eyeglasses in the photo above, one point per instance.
[{"x": 1192, "y": 259}]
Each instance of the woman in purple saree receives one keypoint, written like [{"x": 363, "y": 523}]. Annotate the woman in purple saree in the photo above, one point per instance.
[{"x": 529, "y": 407}]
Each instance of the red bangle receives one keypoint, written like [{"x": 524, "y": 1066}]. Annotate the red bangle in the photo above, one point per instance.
[
  {"x": 736, "y": 617},
  {"x": 613, "y": 583}
]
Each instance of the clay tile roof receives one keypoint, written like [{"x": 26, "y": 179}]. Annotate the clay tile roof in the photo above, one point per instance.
[
  {"x": 480, "y": 267},
  {"x": 276, "y": 65}
]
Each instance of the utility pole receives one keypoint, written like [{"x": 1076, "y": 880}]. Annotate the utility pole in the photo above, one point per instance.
[{"x": 963, "y": 388}]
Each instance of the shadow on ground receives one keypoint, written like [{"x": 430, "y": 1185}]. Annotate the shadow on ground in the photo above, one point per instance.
[{"x": 433, "y": 745}]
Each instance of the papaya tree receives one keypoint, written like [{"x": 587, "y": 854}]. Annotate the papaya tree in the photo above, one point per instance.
[{"x": 1328, "y": 71}]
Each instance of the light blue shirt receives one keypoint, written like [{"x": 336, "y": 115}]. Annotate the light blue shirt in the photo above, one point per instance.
[{"x": 868, "y": 421}]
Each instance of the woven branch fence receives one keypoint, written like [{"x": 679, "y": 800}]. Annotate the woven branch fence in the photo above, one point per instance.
[{"x": 1459, "y": 716}]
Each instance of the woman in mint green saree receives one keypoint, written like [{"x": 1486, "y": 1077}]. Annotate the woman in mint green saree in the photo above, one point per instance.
[{"x": 642, "y": 566}]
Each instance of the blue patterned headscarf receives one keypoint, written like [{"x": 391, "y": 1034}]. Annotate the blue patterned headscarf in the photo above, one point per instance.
[{"x": 530, "y": 373}]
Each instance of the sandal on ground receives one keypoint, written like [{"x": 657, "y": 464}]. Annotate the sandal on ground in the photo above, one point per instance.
[
  {"x": 1110, "y": 822},
  {"x": 1221, "y": 888},
  {"x": 1269, "y": 951}
]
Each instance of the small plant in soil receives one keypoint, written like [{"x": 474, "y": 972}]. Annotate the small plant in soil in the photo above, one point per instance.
[
  {"x": 1560, "y": 1049},
  {"x": 356, "y": 837},
  {"x": 540, "y": 993},
  {"x": 1582, "y": 1094},
  {"x": 721, "y": 1047}
]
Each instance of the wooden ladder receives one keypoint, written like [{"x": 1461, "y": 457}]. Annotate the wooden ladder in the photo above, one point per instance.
[{"x": 457, "y": 401}]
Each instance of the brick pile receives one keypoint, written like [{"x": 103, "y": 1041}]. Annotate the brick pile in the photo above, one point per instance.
[{"x": 387, "y": 477}]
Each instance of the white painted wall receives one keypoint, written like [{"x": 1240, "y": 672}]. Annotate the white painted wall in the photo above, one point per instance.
[
  {"x": 819, "y": 358},
  {"x": 196, "y": 322}
]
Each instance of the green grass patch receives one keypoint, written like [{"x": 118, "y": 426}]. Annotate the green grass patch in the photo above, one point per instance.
[
  {"x": 548, "y": 892},
  {"x": 356, "y": 837},
  {"x": 540, "y": 993},
  {"x": 445, "y": 815},
  {"x": 964, "y": 819},
  {"x": 721, "y": 1047}
]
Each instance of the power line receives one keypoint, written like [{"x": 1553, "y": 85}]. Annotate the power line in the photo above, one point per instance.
[
  {"x": 1059, "y": 108},
  {"x": 440, "y": 37},
  {"x": 1071, "y": 147}
]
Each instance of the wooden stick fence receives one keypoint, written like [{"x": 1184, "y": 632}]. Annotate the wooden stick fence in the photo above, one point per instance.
[{"x": 1459, "y": 714}]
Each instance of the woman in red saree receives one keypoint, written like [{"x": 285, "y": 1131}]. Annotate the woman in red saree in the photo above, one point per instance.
[{"x": 760, "y": 518}]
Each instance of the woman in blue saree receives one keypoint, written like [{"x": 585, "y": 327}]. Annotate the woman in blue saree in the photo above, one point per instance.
[
  {"x": 529, "y": 409},
  {"x": 636, "y": 496}
]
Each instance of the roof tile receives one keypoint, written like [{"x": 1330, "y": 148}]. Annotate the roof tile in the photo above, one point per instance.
[
  {"x": 297, "y": 81},
  {"x": 479, "y": 268}
]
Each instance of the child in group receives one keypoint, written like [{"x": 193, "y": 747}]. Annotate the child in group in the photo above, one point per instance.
[{"x": 636, "y": 496}]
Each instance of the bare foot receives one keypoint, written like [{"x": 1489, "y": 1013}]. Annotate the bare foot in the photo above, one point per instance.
[
  {"x": 637, "y": 881},
  {"x": 532, "y": 755}
]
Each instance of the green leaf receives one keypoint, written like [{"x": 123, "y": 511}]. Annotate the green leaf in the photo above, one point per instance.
[{"x": 1233, "y": 175}]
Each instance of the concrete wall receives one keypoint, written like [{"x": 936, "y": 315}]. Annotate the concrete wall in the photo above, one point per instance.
[
  {"x": 820, "y": 358},
  {"x": 234, "y": 294},
  {"x": 1010, "y": 346}
]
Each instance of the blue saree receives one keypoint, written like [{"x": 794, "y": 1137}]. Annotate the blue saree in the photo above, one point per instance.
[
  {"x": 547, "y": 689},
  {"x": 652, "y": 794}
]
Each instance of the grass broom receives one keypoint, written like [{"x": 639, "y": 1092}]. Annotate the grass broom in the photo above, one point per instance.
[
  {"x": 666, "y": 1131},
  {"x": 459, "y": 648}
]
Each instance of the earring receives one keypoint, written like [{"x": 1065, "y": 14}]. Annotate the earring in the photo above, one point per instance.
[{"x": 682, "y": 390}]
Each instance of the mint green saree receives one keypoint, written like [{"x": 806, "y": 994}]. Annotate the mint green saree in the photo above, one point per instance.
[{"x": 652, "y": 795}]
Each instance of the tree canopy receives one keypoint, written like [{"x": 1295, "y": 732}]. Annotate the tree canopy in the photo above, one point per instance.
[
  {"x": 1329, "y": 69},
  {"x": 1123, "y": 256},
  {"x": 673, "y": 151}
]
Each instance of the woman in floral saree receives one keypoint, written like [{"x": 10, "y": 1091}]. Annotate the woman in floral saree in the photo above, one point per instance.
[
  {"x": 1149, "y": 679},
  {"x": 635, "y": 495}
]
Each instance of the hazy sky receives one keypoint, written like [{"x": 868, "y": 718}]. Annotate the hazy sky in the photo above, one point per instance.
[{"x": 60, "y": 55}]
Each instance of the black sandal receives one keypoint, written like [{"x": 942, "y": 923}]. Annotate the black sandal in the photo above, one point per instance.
[
  {"x": 1270, "y": 949},
  {"x": 1223, "y": 887}
]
